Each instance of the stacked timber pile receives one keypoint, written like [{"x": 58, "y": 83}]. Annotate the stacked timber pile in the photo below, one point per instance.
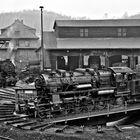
[
  {"x": 7, "y": 102},
  {"x": 7, "y": 94}
]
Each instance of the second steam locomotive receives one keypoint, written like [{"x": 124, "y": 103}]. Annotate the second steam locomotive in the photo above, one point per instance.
[{"x": 7, "y": 73}]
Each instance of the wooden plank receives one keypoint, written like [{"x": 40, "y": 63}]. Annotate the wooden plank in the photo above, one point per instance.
[{"x": 5, "y": 138}]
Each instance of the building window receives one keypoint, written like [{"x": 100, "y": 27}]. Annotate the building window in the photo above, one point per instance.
[
  {"x": 27, "y": 43},
  {"x": 122, "y": 32},
  {"x": 17, "y": 42},
  {"x": 119, "y": 32},
  {"x": 17, "y": 33},
  {"x": 83, "y": 32},
  {"x": 86, "y": 32}
]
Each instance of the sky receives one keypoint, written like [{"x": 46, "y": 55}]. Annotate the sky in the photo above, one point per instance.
[{"x": 94, "y": 9}]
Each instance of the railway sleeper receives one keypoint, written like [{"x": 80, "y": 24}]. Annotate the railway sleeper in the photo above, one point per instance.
[
  {"x": 40, "y": 126},
  {"x": 15, "y": 121},
  {"x": 26, "y": 124}
]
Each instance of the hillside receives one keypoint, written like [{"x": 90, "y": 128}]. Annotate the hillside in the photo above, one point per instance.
[
  {"x": 32, "y": 18},
  {"x": 137, "y": 16}
]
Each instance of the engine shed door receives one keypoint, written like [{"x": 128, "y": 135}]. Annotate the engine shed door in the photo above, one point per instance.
[
  {"x": 61, "y": 62},
  {"x": 73, "y": 62},
  {"x": 94, "y": 61}
]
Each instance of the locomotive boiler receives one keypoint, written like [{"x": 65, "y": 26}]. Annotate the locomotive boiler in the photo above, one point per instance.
[{"x": 84, "y": 90}]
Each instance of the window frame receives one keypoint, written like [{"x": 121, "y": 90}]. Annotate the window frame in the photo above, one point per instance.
[
  {"x": 121, "y": 32},
  {"x": 84, "y": 32}
]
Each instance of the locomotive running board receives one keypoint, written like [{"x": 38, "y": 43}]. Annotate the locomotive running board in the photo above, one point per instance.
[
  {"x": 80, "y": 91},
  {"x": 106, "y": 112}
]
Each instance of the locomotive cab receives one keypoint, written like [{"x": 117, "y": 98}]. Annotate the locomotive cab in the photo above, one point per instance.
[{"x": 124, "y": 77}]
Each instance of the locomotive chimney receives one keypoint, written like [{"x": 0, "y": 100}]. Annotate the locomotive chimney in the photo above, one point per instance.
[{"x": 42, "y": 46}]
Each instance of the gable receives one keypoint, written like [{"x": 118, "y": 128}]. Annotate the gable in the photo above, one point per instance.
[{"x": 19, "y": 31}]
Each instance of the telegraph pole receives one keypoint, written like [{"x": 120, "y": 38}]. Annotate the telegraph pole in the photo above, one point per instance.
[{"x": 42, "y": 45}]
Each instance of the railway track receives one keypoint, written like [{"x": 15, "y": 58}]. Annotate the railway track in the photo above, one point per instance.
[
  {"x": 7, "y": 107},
  {"x": 33, "y": 125},
  {"x": 29, "y": 124}
]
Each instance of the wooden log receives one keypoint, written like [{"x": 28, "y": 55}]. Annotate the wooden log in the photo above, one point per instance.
[
  {"x": 80, "y": 130},
  {"x": 26, "y": 124},
  {"x": 47, "y": 126},
  {"x": 16, "y": 121},
  {"x": 12, "y": 118},
  {"x": 61, "y": 129},
  {"x": 137, "y": 124},
  {"x": 5, "y": 138},
  {"x": 117, "y": 128}
]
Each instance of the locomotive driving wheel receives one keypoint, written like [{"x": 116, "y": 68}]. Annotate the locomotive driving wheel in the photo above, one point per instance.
[
  {"x": 101, "y": 104},
  {"x": 78, "y": 108},
  {"x": 84, "y": 105},
  {"x": 43, "y": 107},
  {"x": 69, "y": 108},
  {"x": 42, "y": 113},
  {"x": 119, "y": 101},
  {"x": 91, "y": 106}
]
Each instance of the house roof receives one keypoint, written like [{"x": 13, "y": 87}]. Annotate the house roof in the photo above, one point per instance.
[
  {"x": 3, "y": 38},
  {"x": 18, "y": 30},
  {"x": 97, "y": 23}
]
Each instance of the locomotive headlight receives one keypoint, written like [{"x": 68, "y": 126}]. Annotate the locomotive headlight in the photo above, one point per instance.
[{"x": 105, "y": 92}]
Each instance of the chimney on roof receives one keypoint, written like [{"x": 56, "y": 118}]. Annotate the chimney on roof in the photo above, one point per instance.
[
  {"x": 22, "y": 21},
  {"x": 17, "y": 20}
]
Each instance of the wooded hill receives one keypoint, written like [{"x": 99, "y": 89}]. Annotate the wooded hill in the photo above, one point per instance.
[{"x": 32, "y": 18}]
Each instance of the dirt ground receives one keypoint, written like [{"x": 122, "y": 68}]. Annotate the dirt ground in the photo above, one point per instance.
[{"x": 128, "y": 133}]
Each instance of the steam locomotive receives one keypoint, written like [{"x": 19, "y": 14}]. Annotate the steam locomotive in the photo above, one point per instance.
[
  {"x": 7, "y": 73},
  {"x": 84, "y": 90}
]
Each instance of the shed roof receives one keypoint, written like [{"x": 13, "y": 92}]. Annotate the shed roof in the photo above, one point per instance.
[
  {"x": 97, "y": 23},
  {"x": 51, "y": 42},
  {"x": 98, "y": 43},
  {"x": 49, "y": 39}
]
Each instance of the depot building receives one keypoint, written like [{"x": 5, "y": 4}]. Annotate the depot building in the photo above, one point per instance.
[{"x": 92, "y": 43}]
